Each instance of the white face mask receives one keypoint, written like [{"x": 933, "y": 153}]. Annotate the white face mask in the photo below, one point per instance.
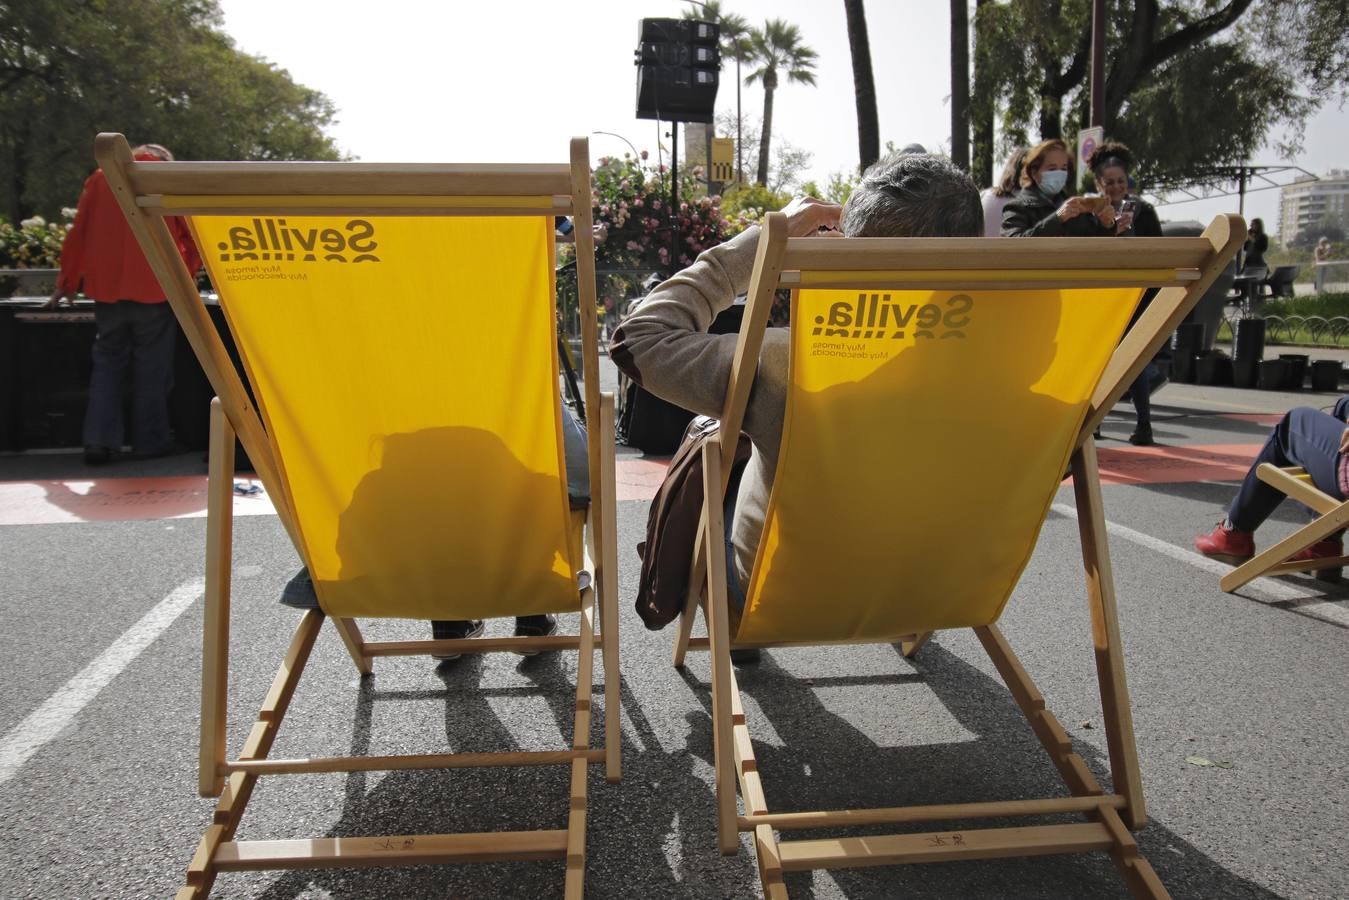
[{"x": 1052, "y": 182}]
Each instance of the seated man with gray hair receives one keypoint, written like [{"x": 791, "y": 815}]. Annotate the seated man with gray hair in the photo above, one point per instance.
[{"x": 664, "y": 346}]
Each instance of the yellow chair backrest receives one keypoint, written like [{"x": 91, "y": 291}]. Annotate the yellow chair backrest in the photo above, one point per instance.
[
  {"x": 406, "y": 370},
  {"x": 926, "y": 434}
]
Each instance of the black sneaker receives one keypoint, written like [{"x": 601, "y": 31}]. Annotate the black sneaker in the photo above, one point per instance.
[
  {"x": 1142, "y": 437},
  {"x": 172, "y": 448},
  {"x": 746, "y": 656},
  {"x": 454, "y": 630},
  {"x": 97, "y": 455},
  {"x": 534, "y": 626}
]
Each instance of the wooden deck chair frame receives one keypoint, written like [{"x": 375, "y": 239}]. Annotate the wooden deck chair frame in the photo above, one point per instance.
[
  {"x": 1332, "y": 516},
  {"x": 1183, "y": 268},
  {"x": 147, "y": 193}
]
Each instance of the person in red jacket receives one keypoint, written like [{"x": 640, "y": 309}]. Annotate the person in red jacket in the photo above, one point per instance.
[{"x": 135, "y": 324}]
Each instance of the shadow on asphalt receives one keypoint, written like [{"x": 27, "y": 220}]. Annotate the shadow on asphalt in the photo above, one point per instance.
[
  {"x": 651, "y": 835},
  {"x": 824, "y": 762}
]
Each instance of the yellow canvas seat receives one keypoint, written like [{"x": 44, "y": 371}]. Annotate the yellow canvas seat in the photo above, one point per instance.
[
  {"x": 938, "y": 390},
  {"x": 1332, "y": 516},
  {"x": 398, "y": 328}
]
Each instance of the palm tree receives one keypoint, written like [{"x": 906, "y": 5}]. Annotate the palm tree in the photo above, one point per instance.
[
  {"x": 736, "y": 45},
  {"x": 960, "y": 83},
  {"x": 777, "y": 47},
  {"x": 864, "y": 86}
]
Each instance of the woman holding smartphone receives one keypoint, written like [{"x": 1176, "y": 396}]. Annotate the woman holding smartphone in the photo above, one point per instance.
[
  {"x": 1045, "y": 207},
  {"x": 1110, "y": 166}
]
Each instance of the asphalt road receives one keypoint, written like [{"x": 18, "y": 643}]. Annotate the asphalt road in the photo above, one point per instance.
[{"x": 105, "y": 805}]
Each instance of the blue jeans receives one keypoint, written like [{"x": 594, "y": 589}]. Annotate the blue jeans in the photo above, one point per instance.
[
  {"x": 734, "y": 591},
  {"x": 1305, "y": 437},
  {"x": 1141, "y": 394},
  {"x": 142, "y": 336}
]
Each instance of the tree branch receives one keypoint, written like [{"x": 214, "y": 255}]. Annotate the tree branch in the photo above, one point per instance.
[{"x": 1184, "y": 38}]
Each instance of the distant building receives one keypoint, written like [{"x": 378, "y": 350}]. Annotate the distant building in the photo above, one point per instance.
[{"x": 1308, "y": 202}]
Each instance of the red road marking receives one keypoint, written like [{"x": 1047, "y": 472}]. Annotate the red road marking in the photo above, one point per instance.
[
  {"x": 638, "y": 479},
  {"x": 114, "y": 500},
  {"x": 136, "y": 499},
  {"x": 1166, "y": 465}
]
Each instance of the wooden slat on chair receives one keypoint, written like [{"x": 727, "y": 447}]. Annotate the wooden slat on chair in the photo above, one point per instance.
[
  {"x": 1188, "y": 266},
  {"x": 147, "y": 193}
]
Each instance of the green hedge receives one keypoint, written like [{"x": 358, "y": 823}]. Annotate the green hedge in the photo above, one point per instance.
[{"x": 1327, "y": 306}]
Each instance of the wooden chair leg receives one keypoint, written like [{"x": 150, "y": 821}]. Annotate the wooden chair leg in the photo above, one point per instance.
[
  {"x": 355, "y": 644},
  {"x": 910, "y": 646},
  {"x": 719, "y": 636},
  {"x": 1119, "y": 727},
  {"x": 216, "y": 612},
  {"x": 608, "y": 598},
  {"x": 697, "y": 574}
]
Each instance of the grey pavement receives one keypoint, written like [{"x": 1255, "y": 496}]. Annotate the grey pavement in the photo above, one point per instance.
[{"x": 108, "y": 808}]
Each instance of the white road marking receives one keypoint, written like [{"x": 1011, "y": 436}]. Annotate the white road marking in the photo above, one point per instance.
[
  {"x": 1266, "y": 589},
  {"x": 60, "y": 709}
]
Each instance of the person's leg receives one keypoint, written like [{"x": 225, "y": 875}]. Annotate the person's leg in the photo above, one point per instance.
[
  {"x": 734, "y": 591},
  {"x": 111, "y": 354},
  {"x": 575, "y": 453},
  {"x": 454, "y": 630},
  {"x": 154, "y": 333},
  {"x": 1341, "y": 410},
  {"x": 1305, "y": 437},
  {"x": 1141, "y": 393}
]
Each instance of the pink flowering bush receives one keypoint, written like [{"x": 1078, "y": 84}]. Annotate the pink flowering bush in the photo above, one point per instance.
[{"x": 631, "y": 199}]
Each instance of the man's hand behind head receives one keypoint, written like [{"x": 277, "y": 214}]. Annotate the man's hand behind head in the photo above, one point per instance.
[{"x": 806, "y": 216}]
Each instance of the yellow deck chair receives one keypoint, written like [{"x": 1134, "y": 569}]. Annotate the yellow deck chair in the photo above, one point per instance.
[
  {"x": 939, "y": 389},
  {"x": 1333, "y": 516},
  {"x": 397, "y": 323}
]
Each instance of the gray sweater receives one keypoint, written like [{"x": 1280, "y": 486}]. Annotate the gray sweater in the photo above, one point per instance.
[{"x": 664, "y": 346}]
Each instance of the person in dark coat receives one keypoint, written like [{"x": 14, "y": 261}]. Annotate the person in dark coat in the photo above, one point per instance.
[
  {"x": 1257, "y": 242},
  {"x": 1043, "y": 207},
  {"x": 1111, "y": 164}
]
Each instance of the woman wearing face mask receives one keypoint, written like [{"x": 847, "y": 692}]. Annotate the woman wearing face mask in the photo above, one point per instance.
[
  {"x": 1042, "y": 208},
  {"x": 1110, "y": 166}
]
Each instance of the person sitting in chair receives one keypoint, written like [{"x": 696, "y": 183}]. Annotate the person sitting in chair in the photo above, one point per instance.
[
  {"x": 665, "y": 346},
  {"x": 299, "y": 592},
  {"x": 1310, "y": 438}
]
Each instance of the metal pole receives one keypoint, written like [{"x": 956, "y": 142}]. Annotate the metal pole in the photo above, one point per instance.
[
  {"x": 674, "y": 195},
  {"x": 1097, "y": 112},
  {"x": 635, "y": 155},
  {"x": 738, "y": 165}
]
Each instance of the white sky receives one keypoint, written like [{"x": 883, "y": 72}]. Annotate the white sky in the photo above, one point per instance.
[{"x": 512, "y": 81}]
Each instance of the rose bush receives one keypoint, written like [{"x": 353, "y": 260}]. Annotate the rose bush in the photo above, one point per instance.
[{"x": 631, "y": 199}]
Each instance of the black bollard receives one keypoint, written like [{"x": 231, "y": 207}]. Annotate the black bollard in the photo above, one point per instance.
[{"x": 1250, "y": 348}]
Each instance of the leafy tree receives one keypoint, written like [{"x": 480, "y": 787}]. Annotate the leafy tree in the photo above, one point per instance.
[
  {"x": 837, "y": 189},
  {"x": 156, "y": 70},
  {"x": 1189, "y": 84},
  {"x": 788, "y": 163},
  {"x": 777, "y": 47},
  {"x": 864, "y": 85}
]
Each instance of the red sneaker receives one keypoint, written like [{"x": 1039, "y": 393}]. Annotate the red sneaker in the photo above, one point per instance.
[
  {"x": 1329, "y": 548},
  {"x": 1226, "y": 544},
  {"x": 1326, "y": 549}
]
